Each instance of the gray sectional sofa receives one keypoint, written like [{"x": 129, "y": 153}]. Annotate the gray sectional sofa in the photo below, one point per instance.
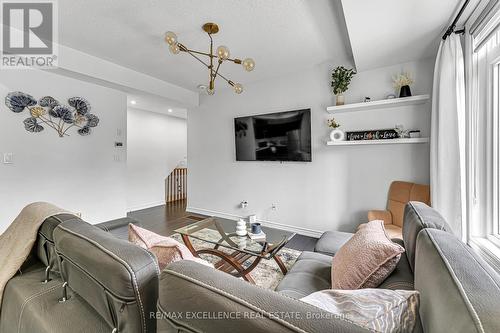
[
  {"x": 113, "y": 286},
  {"x": 109, "y": 285},
  {"x": 459, "y": 292}
]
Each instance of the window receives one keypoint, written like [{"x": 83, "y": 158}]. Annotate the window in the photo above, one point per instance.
[{"x": 483, "y": 139}]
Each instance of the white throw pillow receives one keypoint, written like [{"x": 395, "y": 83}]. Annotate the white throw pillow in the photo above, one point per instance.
[{"x": 379, "y": 310}]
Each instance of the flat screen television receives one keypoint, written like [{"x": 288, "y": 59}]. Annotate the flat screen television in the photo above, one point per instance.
[{"x": 282, "y": 136}]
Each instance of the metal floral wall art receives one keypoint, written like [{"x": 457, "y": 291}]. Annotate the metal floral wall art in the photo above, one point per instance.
[{"x": 49, "y": 112}]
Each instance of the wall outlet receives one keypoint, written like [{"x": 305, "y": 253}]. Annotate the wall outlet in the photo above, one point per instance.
[
  {"x": 244, "y": 204},
  {"x": 8, "y": 158}
]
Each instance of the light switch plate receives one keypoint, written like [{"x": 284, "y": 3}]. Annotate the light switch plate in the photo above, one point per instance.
[{"x": 8, "y": 158}]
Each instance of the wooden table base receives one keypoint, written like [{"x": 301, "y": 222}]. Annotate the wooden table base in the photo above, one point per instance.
[{"x": 233, "y": 263}]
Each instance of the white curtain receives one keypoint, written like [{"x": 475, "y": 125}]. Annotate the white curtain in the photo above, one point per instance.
[{"x": 448, "y": 133}]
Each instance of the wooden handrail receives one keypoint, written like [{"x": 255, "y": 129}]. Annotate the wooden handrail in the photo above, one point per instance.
[{"x": 176, "y": 185}]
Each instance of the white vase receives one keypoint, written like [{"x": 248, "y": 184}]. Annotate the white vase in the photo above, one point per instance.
[
  {"x": 241, "y": 228},
  {"x": 337, "y": 135},
  {"x": 340, "y": 99}
]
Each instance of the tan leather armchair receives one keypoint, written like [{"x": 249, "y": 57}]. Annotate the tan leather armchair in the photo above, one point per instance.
[{"x": 400, "y": 193}]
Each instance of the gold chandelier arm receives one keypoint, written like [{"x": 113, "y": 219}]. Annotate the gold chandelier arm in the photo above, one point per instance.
[
  {"x": 235, "y": 60},
  {"x": 217, "y": 69},
  {"x": 211, "y": 85},
  {"x": 184, "y": 49},
  {"x": 196, "y": 52}
]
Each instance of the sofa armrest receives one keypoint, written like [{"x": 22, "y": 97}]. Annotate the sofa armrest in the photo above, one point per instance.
[
  {"x": 197, "y": 298},
  {"x": 383, "y": 215},
  {"x": 118, "y": 227}
]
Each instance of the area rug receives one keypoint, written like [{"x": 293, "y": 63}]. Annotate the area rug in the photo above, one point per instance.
[{"x": 267, "y": 274}]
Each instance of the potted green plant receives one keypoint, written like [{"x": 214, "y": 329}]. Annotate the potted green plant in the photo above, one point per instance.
[
  {"x": 402, "y": 84},
  {"x": 341, "y": 78}
]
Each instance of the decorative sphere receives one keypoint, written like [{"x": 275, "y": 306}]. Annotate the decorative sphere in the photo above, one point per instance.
[
  {"x": 238, "y": 88},
  {"x": 248, "y": 64},
  {"x": 170, "y": 38},
  {"x": 174, "y": 48},
  {"x": 223, "y": 52}
]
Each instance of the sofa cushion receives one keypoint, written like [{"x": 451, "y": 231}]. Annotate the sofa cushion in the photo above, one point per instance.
[
  {"x": 310, "y": 273},
  {"x": 366, "y": 259},
  {"x": 331, "y": 241},
  {"x": 459, "y": 292},
  {"x": 417, "y": 217}
]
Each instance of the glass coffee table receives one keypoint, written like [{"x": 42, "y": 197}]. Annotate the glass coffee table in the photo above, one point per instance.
[{"x": 221, "y": 233}]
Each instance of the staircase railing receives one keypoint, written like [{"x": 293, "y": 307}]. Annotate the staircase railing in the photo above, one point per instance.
[{"x": 176, "y": 185}]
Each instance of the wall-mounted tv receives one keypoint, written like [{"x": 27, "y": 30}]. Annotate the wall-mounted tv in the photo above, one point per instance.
[{"x": 282, "y": 136}]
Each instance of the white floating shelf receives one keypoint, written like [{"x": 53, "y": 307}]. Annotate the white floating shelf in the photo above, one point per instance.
[
  {"x": 378, "y": 142},
  {"x": 382, "y": 104}
]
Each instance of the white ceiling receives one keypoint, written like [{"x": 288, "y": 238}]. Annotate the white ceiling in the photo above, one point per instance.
[
  {"x": 155, "y": 104},
  {"x": 282, "y": 36},
  {"x": 388, "y": 32}
]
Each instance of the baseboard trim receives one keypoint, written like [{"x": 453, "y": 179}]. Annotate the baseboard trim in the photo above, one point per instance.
[
  {"x": 267, "y": 223},
  {"x": 145, "y": 206}
]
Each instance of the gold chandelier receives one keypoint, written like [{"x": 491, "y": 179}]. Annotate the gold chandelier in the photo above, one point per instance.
[{"x": 222, "y": 54}]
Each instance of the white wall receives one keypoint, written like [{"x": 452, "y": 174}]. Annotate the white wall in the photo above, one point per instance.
[
  {"x": 156, "y": 144},
  {"x": 333, "y": 192},
  {"x": 76, "y": 173}
]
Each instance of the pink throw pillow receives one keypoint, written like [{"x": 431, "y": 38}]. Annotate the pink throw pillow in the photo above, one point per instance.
[
  {"x": 366, "y": 259},
  {"x": 167, "y": 250}
]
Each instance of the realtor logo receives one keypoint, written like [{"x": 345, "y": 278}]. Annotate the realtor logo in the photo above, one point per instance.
[{"x": 29, "y": 31}]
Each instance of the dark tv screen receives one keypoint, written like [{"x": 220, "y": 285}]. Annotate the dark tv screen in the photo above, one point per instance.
[{"x": 283, "y": 136}]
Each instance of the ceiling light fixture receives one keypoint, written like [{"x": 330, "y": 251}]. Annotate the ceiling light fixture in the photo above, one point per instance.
[
  {"x": 221, "y": 53},
  {"x": 169, "y": 110},
  {"x": 133, "y": 102}
]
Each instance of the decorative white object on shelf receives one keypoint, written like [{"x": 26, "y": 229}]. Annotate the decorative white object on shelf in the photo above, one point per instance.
[
  {"x": 382, "y": 104},
  {"x": 337, "y": 135},
  {"x": 415, "y": 134},
  {"x": 241, "y": 228},
  {"x": 378, "y": 142}
]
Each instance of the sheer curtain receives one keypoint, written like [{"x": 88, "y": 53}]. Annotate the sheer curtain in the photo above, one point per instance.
[{"x": 448, "y": 133}]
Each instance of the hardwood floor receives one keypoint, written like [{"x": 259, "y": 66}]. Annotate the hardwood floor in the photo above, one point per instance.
[{"x": 164, "y": 219}]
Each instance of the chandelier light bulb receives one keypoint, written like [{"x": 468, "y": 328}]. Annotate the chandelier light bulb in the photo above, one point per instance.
[
  {"x": 238, "y": 88},
  {"x": 170, "y": 38},
  {"x": 248, "y": 64},
  {"x": 223, "y": 52},
  {"x": 174, "y": 48}
]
